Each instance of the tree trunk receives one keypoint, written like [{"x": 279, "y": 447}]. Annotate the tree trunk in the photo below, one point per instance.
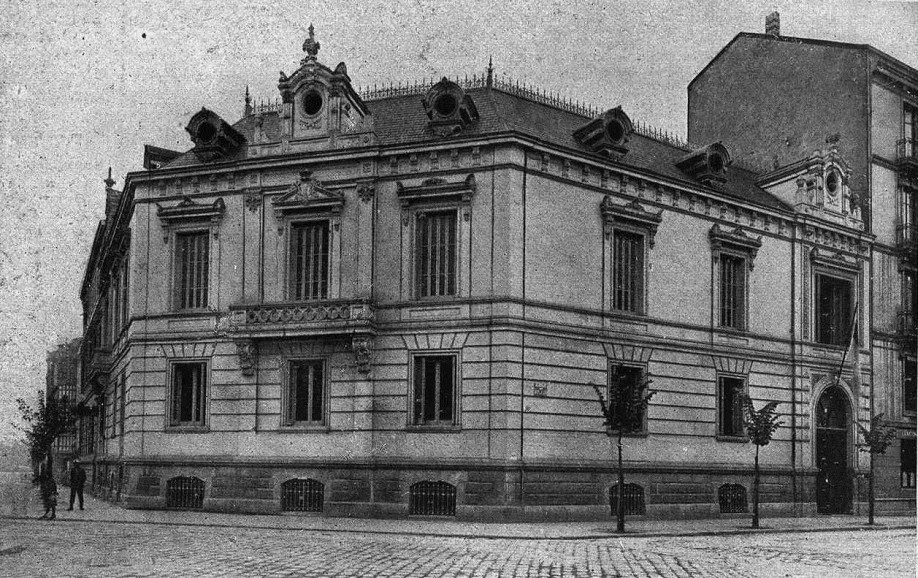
[
  {"x": 870, "y": 499},
  {"x": 755, "y": 492},
  {"x": 620, "y": 525}
]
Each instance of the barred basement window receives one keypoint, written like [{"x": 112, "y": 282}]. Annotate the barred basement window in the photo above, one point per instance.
[
  {"x": 192, "y": 266},
  {"x": 189, "y": 394},
  {"x": 732, "y": 291},
  {"x": 435, "y": 254},
  {"x": 730, "y": 406},
  {"x": 833, "y": 309},
  {"x": 628, "y": 271},
  {"x": 434, "y": 390},
  {"x": 185, "y": 492},
  {"x": 732, "y": 498},
  {"x": 302, "y": 495},
  {"x": 633, "y": 500},
  {"x": 309, "y": 261},
  {"x": 306, "y": 393},
  {"x": 432, "y": 499},
  {"x": 907, "y": 460}
]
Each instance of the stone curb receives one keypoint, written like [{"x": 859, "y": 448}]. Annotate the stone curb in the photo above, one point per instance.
[{"x": 601, "y": 536}]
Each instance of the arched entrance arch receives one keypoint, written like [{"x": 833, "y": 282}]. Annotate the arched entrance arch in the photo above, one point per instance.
[{"x": 833, "y": 425}]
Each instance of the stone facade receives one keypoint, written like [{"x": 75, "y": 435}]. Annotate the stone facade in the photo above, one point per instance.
[{"x": 388, "y": 378}]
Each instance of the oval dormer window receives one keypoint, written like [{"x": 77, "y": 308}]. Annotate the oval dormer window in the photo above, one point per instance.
[
  {"x": 312, "y": 103},
  {"x": 716, "y": 163},
  {"x": 206, "y": 132},
  {"x": 446, "y": 104},
  {"x": 615, "y": 131},
  {"x": 833, "y": 183}
]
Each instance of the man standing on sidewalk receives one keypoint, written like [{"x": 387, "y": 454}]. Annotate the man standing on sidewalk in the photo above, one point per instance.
[{"x": 77, "y": 480}]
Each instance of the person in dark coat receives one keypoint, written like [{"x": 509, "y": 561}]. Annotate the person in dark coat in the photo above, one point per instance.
[
  {"x": 48, "y": 488},
  {"x": 77, "y": 480}
]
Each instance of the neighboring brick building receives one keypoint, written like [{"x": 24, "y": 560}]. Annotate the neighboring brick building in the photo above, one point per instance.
[
  {"x": 773, "y": 99},
  {"x": 395, "y": 303},
  {"x": 63, "y": 381}
]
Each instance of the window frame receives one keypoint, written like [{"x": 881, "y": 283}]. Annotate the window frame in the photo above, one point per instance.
[
  {"x": 642, "y": 233},
  {"x": 904, "y": 481},
  {"x": 288, "y": 398},
  {"x": 188, "y": 231},
  {"x": 631, "y": 218},
  {"x": 643, "y": 432},
  {"x": 332, "y": 255},
  {"x": 418, "y": 214},
  {"x": 172, "y": 424},
  {"x": 720, "y": 433},
  {"x": 743, "y": 314},
  {"x": 849, "y": 277},
  {"x": 414, "y": 423},
  {"x": 909, "y": 409}
]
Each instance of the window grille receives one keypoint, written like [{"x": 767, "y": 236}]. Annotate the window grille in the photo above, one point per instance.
[
  {"x": 192, "y": 264},
  {"x": 628, "y": 272},
  {"x": 432, "y": 499},
  {"x": 309, "y": 257},
  {"x": 731, "y": 406},
  {"x": 302, "y": 495},
  {"x": 732, "y": 498},
  {"x": 307, "y": 389},
  {"x": 434, "y": 389},
  {"x": 633, "y": 500},
  {"x": 732, "y": 291},
  {"x": 435, "y": 254},
  {"x": 185, "y": 492},
  {"x": 189, "y": 390}
]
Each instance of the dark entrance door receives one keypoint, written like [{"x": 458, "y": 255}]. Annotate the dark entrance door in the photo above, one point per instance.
[{"x": 833, "y": 482}]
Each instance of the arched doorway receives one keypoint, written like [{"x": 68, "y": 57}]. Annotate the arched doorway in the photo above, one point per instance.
[{"x": 833, "y": 481}]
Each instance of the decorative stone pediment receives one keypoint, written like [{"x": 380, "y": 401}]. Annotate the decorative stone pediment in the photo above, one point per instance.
[
  {"x": 188, "y": 211},
  {"x": 835, "y": 260},
  {"x": 632, "y": 215},
  {"x": 437, "y": 190},
  {"x": 736, "y": 240},
  {"x": 607, "y": 134},
  {"x": 308, "y": 195}
]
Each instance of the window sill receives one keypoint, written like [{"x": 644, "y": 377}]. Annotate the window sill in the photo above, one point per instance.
[
  {"x": 180, "y": 429},
  {"x": 435, "y": 300},
  {"x": 732, "y": 331},
  {"x": 732, "y": 439},
  {"x": 629, "y": 434},
  {"x": 434, "y": 428},
  {"x": 295, "y": 429}
]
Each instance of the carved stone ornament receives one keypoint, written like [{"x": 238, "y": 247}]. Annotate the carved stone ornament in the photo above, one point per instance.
[
  {"x": 307, "y": 195},
  {"x": 363, "y": 347},
  {"x": 189, "y": 211},
  {"x": 835, "y": 260},
  {"x": 632, "y": 214},
  {"x": 253, "y": 201},
  {"x": 366, "y": 192},
  {"x": 437, "y": 190},
  {"x": 736, "y": 240},
  {"x": 247, "y": 351}
]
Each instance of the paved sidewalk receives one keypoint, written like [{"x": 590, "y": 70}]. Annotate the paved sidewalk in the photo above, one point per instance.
[{"x": 23, "y": 503}]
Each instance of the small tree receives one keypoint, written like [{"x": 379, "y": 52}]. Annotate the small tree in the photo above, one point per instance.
[
  {"x": 628, "y": 398},
  {"x": 760, "y": 427},
  {"x": 43, "y": 424},
  {"x": 877, "y": 439}
]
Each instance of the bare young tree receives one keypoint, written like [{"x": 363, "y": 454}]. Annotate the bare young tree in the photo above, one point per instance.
[
  {"x": 760, "y": 427},
  {"x": 43, "y": 424},
  {"x": 877, "y": 438},
  {"x": 624, "y": 411}
]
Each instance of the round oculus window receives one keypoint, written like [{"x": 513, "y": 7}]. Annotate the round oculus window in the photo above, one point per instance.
[
  {"x": 312, "y": 103},
  {"x": 832, "y": 183},
  {"x": 716, "y": 162},
  {"x": 615, "y": 130},
  {"x": 446, "y": 104},
  {"x": 206, "y": 132}
]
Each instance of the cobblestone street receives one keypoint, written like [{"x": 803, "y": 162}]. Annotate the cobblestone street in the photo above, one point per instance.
[{"x": 73, "y": 548}]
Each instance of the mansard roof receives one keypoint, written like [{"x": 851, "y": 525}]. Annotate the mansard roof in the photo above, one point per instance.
[{"x": 402, "y": 120}]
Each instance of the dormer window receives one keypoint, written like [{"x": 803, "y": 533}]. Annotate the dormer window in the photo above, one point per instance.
[
  {"x": 708, "y": 165},
  {"x": 312, "y": 103},
  {"x": 449, "y": 108},
  {"x": 607, "y": 134},
  {"x": 833, "y": 183},
  {"x": 213, "y": 137}
]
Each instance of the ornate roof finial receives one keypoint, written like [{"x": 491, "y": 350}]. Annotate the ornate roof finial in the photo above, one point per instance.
[
  {"x": 109, "y": 182},
  {"x": 248, "y": 102},
  {"x": 490, "y": 80},
  {"x": 310, "y": 46}
]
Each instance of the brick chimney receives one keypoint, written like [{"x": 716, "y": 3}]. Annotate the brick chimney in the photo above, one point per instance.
[{"x": 773, "y": 24}]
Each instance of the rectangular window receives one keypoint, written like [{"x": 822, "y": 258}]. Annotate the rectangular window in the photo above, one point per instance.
[
  {"x": 732, "y": 291},
  {"x": 625, "y": 389},
  {"x": 628, "y": 272},
  {"x": 910, "y": 129},
  {"x": 124, "y": 292},
  {"x": 189, "y": 394},
  {"x": 192, "y": 269},
  {"x": 434, "y": 389},
  {"x": 833, "y": 310},
  {"x": 909, "y": 392},
  {"x": 306, "y": 397},
  {"x": 435, "y": 254},
  {"x": 309, "y": 261},
  {"x": 730, "y": 406},
  {"x": 907, "y": 463}
]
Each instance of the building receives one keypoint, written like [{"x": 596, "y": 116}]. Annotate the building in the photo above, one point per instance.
[
  {"x": 773, "y": 99},
  {"x": 62, "y": 381},
  {"x": 397, "y": 303}
]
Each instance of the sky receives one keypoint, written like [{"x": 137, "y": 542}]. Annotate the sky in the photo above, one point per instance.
[{"x": 85, "y": 84}]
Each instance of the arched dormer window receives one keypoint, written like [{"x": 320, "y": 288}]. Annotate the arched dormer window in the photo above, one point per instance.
[{"x": 449, "y": 108}]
